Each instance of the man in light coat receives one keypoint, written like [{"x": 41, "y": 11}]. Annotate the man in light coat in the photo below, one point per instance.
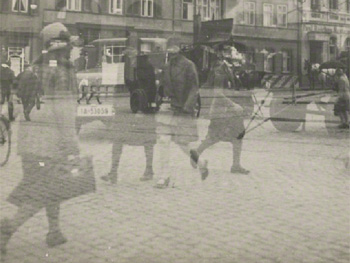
[{"x": 181, "y": 85}]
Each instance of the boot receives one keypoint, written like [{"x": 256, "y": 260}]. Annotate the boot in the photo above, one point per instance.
[
  {"x": 6, "y": 231},
  {"x": 55, "y": 238}
]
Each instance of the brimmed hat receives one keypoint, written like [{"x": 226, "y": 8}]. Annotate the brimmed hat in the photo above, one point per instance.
[{"x": 55, "y": 36}]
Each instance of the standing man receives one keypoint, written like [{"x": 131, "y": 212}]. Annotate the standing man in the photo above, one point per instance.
[
  {"x": 342, "y": 105},
  {"x": 181, "y": 85},
  {"x": 28, "y": 87},
  {"x": 7, "y": 77}
]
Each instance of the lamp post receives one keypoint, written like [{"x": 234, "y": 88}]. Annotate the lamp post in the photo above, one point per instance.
[{"x": 299, "y": 38}]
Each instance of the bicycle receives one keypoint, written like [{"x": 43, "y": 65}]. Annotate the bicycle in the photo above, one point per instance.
[{"x": 5, "y": 140}]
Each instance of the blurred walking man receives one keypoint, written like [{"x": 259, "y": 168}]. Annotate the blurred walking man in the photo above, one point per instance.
[{"x": 7, "y": 77}]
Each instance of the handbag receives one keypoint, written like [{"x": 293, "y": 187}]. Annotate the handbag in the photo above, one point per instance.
[{"x": 75, "y": 178}]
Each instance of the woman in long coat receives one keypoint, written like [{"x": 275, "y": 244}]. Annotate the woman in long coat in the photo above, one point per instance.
[{"x": 48, "y": 144}]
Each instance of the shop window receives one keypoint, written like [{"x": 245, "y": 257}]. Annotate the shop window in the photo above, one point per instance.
[
  {"x": 268, "y": 15},
  {"x": 20, "y": 6},
  {"x": 74, "y": 5},
  {"x": 282, "y": 15},
  {"x": 249, "y": 13},
  {"x": 187, "y": 9},
  {"x": 147, "y": 8},
  {"x": 115, "y": 6},
  {"x": 268, "y": 60},
  {"x": 333, "y": 4},
  {"x": 287, "y": 61},
  {"x": 333, "y": 48}
]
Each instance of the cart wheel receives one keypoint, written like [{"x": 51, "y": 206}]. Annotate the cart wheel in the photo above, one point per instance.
[
  {"x": 5, "y": 140},
  {"x": 138, "y": 101},
  {"x": 286, "y": 117}
]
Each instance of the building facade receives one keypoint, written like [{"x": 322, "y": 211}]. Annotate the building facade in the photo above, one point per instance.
[
  {"x": 278, "y": 35},
  {"x": 22, "y": 20},
  {"x": 325, "y": 29}
]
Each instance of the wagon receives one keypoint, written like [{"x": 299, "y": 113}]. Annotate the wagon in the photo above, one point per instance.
[{"x": 119, "y": 66}]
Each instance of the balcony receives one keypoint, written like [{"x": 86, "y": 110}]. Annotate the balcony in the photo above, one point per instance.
[{"x": 326, "y": 17}]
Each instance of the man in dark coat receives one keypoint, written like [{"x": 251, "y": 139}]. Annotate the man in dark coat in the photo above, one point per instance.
[
  {"x": 7, "y": 77},
  {"x": 28, "y": 88}
]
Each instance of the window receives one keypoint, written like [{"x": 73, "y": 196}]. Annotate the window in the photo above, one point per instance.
[
  {"x": 113, "y": 53},
  {"x": 333, "y": 4},
  {"x": 287, "y": 60},
  {"x": 115, "y": 7},
  {"x": 282, "y": 15},
  {"x": 74, "y": 5},
  {"x": 332, "y": 48},
  {"x": 268, "y": 15},
  {"x": 20, "y": 6},
  {"x": 203, "y": 9},
  {"x": 249, "y": 13},
  {"x": 347, "y": 43},
  {"x": 187, "y": 9},
  {"x": 147, "y": 8},
  {"x": 215, "y": 9},
  {"x": 348, "y": 6},
  {"x": 315, "y": 5}
]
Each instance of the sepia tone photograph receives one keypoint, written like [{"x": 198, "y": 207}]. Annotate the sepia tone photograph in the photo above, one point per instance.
[{"x": 174, "y": 131}]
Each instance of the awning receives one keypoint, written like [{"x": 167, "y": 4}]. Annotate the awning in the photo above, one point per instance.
[{"x": 318, "y": 36}]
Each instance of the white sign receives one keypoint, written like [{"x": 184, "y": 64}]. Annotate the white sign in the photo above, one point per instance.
[
  {"x": 113, "y": 74},
  {"x": 16, "y": 65}
]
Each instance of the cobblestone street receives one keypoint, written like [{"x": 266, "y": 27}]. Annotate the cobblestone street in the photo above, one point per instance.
[{"x": 293, "y": 206}]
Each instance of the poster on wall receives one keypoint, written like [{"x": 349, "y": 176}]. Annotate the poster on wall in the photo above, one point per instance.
[{"x": 16, "y": 65}]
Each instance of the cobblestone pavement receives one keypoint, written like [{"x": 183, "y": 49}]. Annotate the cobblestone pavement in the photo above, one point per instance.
[{"x": 293, "y": 206}]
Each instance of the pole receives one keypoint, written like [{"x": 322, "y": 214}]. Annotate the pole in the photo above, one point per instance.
[
  {"x": 348, "y": 61},
  {"x": 299, "y": 39}
]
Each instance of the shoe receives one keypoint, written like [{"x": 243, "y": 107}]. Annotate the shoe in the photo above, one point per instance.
[
  {"x": 163, "y": 183},
  {"x": 109, "y": 178},
  {"x": 55, "y": 238},
  {"x": 26, "y": 116},
  {"x": 203, "y": 169},
  {"x": 148, "y": 175},
  {"x": 6, "y": 232},
  {"x": 239, "y": 170},
  {"x": 343, "y": 126},
  {"x": 194, "y": 156}
]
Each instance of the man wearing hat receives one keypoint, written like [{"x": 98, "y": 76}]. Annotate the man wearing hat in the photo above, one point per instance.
[
  {"x": 181, "y": 85},
  {"x": 342, "y": 105},
  {"x": 7, "y": 77}
]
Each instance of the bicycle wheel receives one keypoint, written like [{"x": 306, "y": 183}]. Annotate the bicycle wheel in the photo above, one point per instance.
[{"x": 5, "y": 140}]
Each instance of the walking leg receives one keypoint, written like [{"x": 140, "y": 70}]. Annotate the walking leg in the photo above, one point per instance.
[
  {"x": 54, "y": 236},
  {"x": 9, "y": 226},
  {"x": 148, "y": 174},
  {"x": 117, "y": 150},
  {"x": 237, "y": 150}
]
